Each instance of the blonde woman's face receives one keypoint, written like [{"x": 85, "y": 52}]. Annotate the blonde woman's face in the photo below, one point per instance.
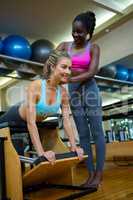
[{"x": 62, "y": 70}]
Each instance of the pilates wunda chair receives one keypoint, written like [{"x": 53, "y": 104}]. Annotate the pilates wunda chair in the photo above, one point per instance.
[{"x": 33, "y": 182}]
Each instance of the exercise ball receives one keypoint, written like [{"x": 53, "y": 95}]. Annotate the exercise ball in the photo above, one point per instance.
[
  {"x": 16, "y": 46},
  {"x": 108, "y": 71},
  {"x": 41, "y": 50},
  {"x": 1, "y": 45},
  {"x": 130, "y": 75},
  {"x": 122, "y": 73}
]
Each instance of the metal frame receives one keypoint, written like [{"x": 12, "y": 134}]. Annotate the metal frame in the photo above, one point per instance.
[
  {"x": 75, "y": 195},
  {"x": 37, "y": 187},
  {"x": 114, "y": 81}
]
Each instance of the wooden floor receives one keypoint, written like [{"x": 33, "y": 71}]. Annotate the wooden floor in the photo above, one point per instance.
[{"x": 117, "y": 185}]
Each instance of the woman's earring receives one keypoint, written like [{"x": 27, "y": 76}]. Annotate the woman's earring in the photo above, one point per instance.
[{"x": 88, "y": 36}]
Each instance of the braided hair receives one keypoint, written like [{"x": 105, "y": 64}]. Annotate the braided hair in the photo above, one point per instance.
[
  {"x": 52, "y": 61},
  {"x": 88, "y": 19}
]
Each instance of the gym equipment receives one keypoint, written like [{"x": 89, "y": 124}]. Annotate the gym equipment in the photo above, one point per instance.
[
  {"x": 16, "y": 46},
  {"x": 41, "y": 50},
  {"x": 108, "y": 71},
  {"x": 122, "y": 73},
  {"x": 5, "y": 71},
  {"x": 25, "y": 69},
  {"x": 1, "y": 45},
  {"x": 108, "y": 88},
  {"x": 35, "y": 181},
  {"x": 130, "y": 75},
  {"x": 11, "y": 63},
  {"x": 109, "y": 136},
  {"x": 25, "y": 75},
  {"x": 121, "y": 134}
]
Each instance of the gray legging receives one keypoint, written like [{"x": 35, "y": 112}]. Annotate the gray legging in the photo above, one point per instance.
[{"x": 86, "y": 108}]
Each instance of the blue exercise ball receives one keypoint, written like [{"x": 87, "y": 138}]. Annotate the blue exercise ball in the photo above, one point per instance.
[
  {"x": 122, "y": 73},
  {"x": 41, "y": 50},
  {"x": 130, "y": 75},
  {"x": 16, "y": 46},
  {"x": 1, "y": 45}
]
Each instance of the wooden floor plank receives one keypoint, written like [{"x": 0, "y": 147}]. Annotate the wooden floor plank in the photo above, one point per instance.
[{"x": 117, "y": 185}]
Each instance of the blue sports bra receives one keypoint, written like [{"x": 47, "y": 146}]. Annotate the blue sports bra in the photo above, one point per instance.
[{"x": 42, "y": 108}]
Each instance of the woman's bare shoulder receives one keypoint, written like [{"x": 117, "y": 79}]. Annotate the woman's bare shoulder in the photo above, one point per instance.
[
  {"x": 95, "y": 47},
  {"x": 63, "y": 45},
  {"x": 36, "y": 84}
]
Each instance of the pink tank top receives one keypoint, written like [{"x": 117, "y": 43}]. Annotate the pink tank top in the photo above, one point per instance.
[{"x": 80, "y": 60}]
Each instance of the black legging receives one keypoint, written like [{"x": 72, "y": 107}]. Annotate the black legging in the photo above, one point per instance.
[{"x": 13, "y": 116}]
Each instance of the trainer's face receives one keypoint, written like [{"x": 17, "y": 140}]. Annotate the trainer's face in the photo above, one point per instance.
[
  {"x": 62, "y": 70},
  {"x": 79, "y": 32}
]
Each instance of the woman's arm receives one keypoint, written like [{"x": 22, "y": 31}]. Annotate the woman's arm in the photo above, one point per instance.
[
  {"x": 31, "y": 118},
  {"x": 93, "y": 68},
  {"x": 31, "y": 122},
  {"x": 67, "y": 124}
]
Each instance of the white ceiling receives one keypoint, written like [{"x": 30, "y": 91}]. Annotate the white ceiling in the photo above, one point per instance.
[{"x": 50, "y": 19}]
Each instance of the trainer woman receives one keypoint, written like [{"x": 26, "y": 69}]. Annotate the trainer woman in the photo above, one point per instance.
[{"x": 84, "y": 93}]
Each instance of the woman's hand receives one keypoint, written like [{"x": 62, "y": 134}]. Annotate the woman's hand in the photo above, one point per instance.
[
  {"x": 79, "y": 151},
  {"x": 50, "y": 156},
  {"x": 73, "y": 80}
]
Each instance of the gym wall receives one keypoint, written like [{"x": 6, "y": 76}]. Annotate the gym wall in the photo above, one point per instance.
[{"x": 116, "y": 44}]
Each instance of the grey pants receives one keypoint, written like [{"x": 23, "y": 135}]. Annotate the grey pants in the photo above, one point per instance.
[{"x": 86, "y": 108}]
